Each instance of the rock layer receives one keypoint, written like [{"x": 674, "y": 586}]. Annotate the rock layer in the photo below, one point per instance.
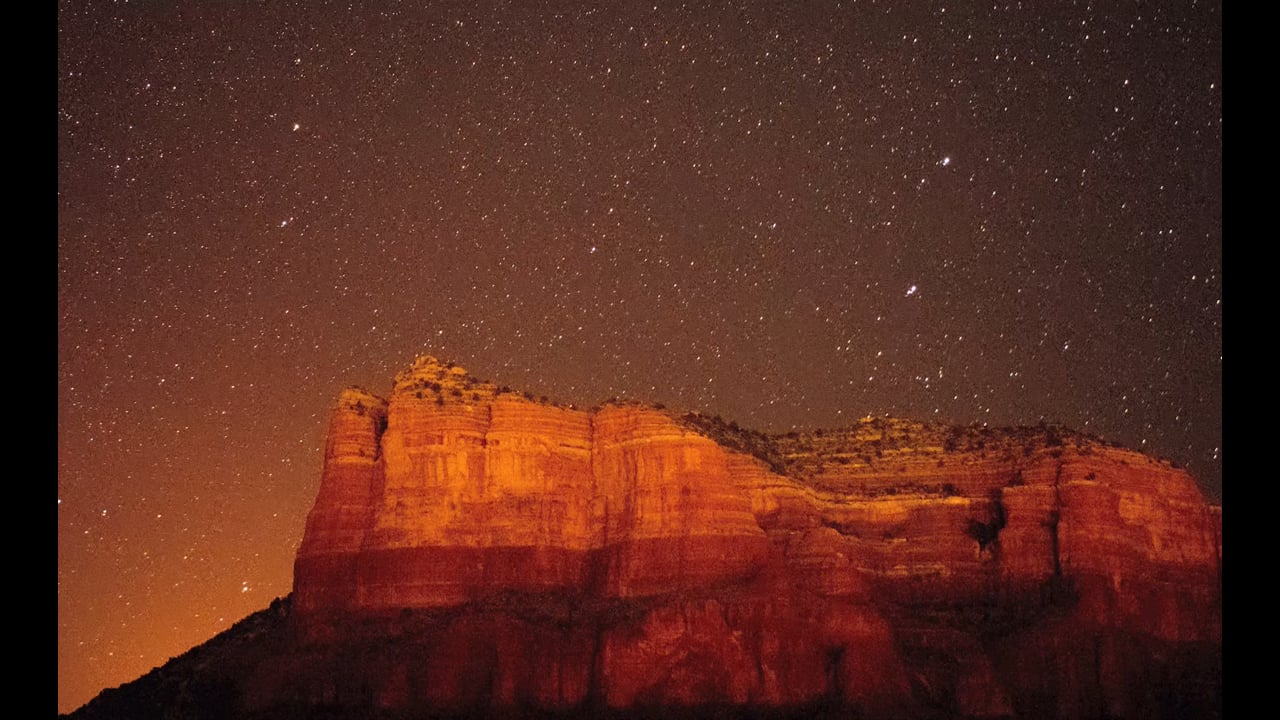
[
  {"x": 539, "y": 556},
  {"x": 437, "y": 499}
]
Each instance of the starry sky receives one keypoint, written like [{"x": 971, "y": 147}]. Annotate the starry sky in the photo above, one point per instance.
[{"x": 790, "y": 214}]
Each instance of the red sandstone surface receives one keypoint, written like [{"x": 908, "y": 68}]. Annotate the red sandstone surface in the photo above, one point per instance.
[
  {"x": 475, "y": 551},
  {"x": 629, "y": 556}
]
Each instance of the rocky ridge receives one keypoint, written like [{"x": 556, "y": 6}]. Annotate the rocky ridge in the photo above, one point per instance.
[{"x": 485, "y": 552}]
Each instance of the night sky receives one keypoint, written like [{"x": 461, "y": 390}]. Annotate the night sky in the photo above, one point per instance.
[{"x": 793, "y": 215}]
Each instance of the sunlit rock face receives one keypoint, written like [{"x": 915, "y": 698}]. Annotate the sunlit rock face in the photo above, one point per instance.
[
  {"x": 518, "y": 554},
  {"x": 447, "y": 495},
  {"x": 340, "y": 520},
  {"x": 1030, "y": 572}
]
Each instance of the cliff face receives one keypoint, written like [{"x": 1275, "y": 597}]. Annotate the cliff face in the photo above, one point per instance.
[
  {"x": 436, "y": 499},
  {"x": 536, "y": 556}
]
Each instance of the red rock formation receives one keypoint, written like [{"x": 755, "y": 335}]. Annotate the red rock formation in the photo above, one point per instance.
[
  {"x": 551, "y": 557},
  {"x": 339, "y": 521}
]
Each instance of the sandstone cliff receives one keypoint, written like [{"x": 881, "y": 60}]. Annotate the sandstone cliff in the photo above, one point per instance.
[
  {"x": 630, "y": 555},
  {"x": 473, "y": 550}
]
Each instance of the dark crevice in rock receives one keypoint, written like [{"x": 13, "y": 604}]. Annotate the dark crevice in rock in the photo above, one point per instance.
[{"x": 986, "y": 533}]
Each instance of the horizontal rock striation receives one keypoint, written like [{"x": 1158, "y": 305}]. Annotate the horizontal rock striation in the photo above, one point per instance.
[
  {"x": 524, "y": 555},
  {"x": 443, "y": 497}
]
